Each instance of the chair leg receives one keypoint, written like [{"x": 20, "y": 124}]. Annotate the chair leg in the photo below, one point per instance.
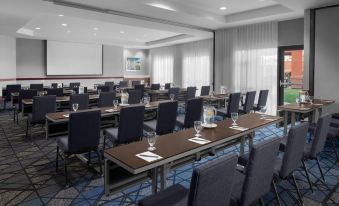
[
  {"x": 14, "y": 115},
  {"x": 27, "y": 124},
  {"x": 297, "y": 188},
  {"x": 307, "y": 175},
  {"x": 66, "y": 174},
  {"x": 276, "y": 193},
  {"x": 104, "y": 143},
  {"x": 17, "y": 118},
  {"x": 57, "y": 160},
  {"x": 99, "y": 159},
  {"x": 335, "y": 149},
  {"x": 321, "y": 171},
  {"x": 262, "y": 202}
]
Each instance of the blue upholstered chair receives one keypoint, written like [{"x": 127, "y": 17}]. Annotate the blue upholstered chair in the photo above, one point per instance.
[
  {"x": 249, "y": 103},
  {"x": 130, "y": 126},
  {"x": 155, "y": 86},
  {"x": 39, "y": 87},
  {"x": 135, "y": 82},
  {"x": 211, "y": 184},
  {"x": 83, "y": 136},
  {"x": 81, "y": 99},
  {"x": 262, "y": 100},
  {"x": 59, "y": 92},
  {"x": 333, "y": 133},
  {"x": 103, "y": 88},
  {"x": 54, "y": 85},
  {"x": 106, "y": 99},
  {"x": 166, "y": 118},
  {"x": 205, "y": 90},
  {"x": 74, "y": 84},
  {"x": 140, "y": 87},
  {"x": 134, "y": 96},
  {"x": 167, "y": 86},
  {"x": 110, "y": 85},
  {"x": 41, "y": 106},
  {"x": 252, "y": 184},
  {"x": 123, "y": 83},
  {"x": 191, "y": 92},
  {"x": 11, "y": 88},
  {"x": 193, "y": 113},
  {"x": 24, "y": 94},
  {"x": 175, "y": 91},
  {"x": 232, "y": 106}
]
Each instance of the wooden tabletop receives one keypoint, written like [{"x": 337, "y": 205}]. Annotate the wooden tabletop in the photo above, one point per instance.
[
  {"x": 62, "y": 99},
  {"x": 176, "y": 145},
  {"x": 215, "y": 97},
  {"x": 305, "y": 107},
  {"x": 59, "y": 116}
]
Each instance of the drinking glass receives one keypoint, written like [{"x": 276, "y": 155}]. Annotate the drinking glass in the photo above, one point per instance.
[
  {"x": 146, "y": 100},
  {"x": 172, "y": 97},
  {"x": 234, "y": 116},
  {"x": 297, "y": 100},
  {"x": 151, "y": 139},
  {"x": 263, "y": 110},
  {"x": 198, "y": 128},
  {"x": 310, "y": 99},
  {"x": 99, "y": 91},
  {"x": 115, "y": 104},
  {"x": 75, "y": 106}
]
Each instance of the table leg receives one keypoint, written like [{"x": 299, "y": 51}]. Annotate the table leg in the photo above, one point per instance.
[
  {"x": 250, "y": 141},
  {"x": 242, "y": 145},
  {"x": 285, "y": 122},
  {"x": 106, "y": 177},
  {"x": 154, "y": 180},
  {"x": 320, "y": 113},
  {"x": 47, "y": 128},
  {"x": 292, "y": 118},
  {"x": 163, "y": 175}
]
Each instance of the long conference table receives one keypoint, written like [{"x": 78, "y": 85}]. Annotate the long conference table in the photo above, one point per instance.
[
  {"x": 175, "y": 149},
  {"x": 303, "y": 108}
]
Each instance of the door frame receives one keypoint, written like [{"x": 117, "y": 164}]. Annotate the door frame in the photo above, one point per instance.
[{"x": 281, "y": 50}]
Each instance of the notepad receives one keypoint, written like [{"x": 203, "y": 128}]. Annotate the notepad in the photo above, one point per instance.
[
  {"x": 149, "y": 156},
  {"x": 110, "y": 110},
  {"x": 238, "y": 128},
  {"x": 66, "y": 115},
  {"x": 199, "y": 140}
]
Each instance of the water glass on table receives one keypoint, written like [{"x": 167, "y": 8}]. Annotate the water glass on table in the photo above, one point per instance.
[
  {"x": 198, "y": 128},
  {"x": 75, "y": 107},
  {"x": 151, "y": 139},
  {"x": 234, "y": 116}
]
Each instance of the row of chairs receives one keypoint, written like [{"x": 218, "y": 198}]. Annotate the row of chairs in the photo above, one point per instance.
[{"x": 222, "y": 182}]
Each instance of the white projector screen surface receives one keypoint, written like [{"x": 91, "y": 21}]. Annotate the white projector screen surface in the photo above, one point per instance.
[{"x": 64, "y": 58}]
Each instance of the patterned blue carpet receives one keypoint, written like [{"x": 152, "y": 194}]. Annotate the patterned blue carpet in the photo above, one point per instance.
[{"x": 28, "y": 177}]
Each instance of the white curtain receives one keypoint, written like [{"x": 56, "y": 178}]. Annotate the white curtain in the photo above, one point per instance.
[
  {"x": 246, "y": 59},
  {"x": 162, "y": 61},
  {"x": 197, "y": 63}
]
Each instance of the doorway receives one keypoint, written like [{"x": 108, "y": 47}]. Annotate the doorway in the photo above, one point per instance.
[{"x": 290, "y": 73}]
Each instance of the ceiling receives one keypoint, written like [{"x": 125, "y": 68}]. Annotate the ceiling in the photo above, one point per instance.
[{"x": 140, "y": 23}]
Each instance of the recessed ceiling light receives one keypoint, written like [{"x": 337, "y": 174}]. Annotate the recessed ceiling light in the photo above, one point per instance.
[
  {"x": 63, "y": 24},
  {"x": 161, "y": 6},
  {"x": 96, "y": 28},
  {"x": 223, "y": 8},
  {"x": 122, "y": 32},
  {"x": 37, "y": 28},
  {"x": 61, "y": 15}
]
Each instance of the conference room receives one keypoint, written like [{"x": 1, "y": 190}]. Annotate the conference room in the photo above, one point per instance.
[{"x": 159, "y": 103}]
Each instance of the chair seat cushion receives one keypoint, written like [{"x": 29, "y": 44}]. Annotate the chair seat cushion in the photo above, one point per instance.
[
  {"x": 152, "y": 125},
  {"x": 283, "y": 143},
  {"x": 180, "y": 120},
  {"x": 238, "y": 183},
  {"x": 62, "y": 142},
  {"x": 222, "y": 112},
  {"x": 277, "y": 167},
  {"x": 111, "y": 133},
  {"x": 175, "y": 195},
  {"x": 307, "y": 150}
]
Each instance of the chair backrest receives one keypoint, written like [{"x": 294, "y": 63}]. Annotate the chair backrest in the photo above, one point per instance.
[
  {"x": 26, "y": 94},
  {"x": 59, "y": 92},
  {"x": 74, "y": 84},
  {"x": 41, "y": 106},
  {"x": 259, "y": 171},
  {"x": 320, "y": 135},
  {"x": 84, "y": 131},
  {"x": 131, "y": 124},
  {"x": 191, "y": 92},
  {"x": 262, "y": 100},
  {"x": 233, "y": 104},
  {"x": 249, "y": 101},
  {"x": 167, "y": 85},
  {"x": 294, "y": 149},
  {"x": 193, "y": 112},
  {"x": 155, "y": 86},
  {"x": 111, "y": 84},
  {"x": 39, "y": 87},
  {"x": 167, "y": 116},
  {"x": 205, "y": 90},
  {"x": 123, "y": 83},
  {"x": 134, "y": 96},
  {"x": 106, "y": 99},
  {"x": 211, "y": 183},
  {"x": 175, "y": 91},
  {"x": 103, "y": 88},
  {"x": 135, "y": 82},
  {"x": 10, "y": 88},
  {"x": 140, "y": 87},
  {"x": 54, "y": 85},
  {"x": 81, "y": 99}
]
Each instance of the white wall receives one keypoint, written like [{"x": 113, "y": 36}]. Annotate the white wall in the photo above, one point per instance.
[
  {"x": 291, "y": 32},
  {"x": 7, "y": 60}
]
